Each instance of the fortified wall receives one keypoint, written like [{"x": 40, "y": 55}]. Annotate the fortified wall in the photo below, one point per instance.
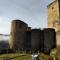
[{"x": 23, "y": 37}]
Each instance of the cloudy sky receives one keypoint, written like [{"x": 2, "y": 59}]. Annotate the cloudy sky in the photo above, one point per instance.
[{"x": 33, "y": 12}]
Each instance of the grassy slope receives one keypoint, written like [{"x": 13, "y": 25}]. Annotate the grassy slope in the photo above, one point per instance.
[{"x": 16, "y": 56}]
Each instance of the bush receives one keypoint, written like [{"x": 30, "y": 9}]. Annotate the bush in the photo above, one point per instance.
[{"x": 4, "y": 51}]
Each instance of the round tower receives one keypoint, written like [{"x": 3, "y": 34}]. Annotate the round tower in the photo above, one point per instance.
[
  {"x": 49, "y": 39},
  {"x": 18, "y": 34},
  {"x": 36, "y": 39}
]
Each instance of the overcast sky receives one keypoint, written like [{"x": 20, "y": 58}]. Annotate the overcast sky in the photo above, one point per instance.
[{"x": 33, "y": 12}]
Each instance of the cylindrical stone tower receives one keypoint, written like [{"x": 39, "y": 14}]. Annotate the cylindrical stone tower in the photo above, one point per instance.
[
  {"x": 36, "y": 39},
  {"x": 18, "y": 34},
  {"x": 49, "y": 39}
]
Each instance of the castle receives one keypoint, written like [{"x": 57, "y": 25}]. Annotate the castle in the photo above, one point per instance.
[{"x": 23, "y": 37}]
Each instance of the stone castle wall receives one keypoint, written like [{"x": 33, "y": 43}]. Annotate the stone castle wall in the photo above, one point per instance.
[
  {"x": 53, "y": 15},
  {"x": 54, "y": 18}
]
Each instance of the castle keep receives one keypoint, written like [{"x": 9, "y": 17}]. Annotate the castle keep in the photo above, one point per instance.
[{"x": 54, "y": 18}]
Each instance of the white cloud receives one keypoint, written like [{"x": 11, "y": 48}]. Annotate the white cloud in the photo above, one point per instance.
[
  {"x": 1, "y": 19},
  {"x": 4, "y": 25}
]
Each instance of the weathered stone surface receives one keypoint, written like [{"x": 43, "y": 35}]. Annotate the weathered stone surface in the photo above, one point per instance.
[
  {"x": 54, "y": 18},
  {"x": 53, "y": 15},
  {"x": 18, "y": 34}
]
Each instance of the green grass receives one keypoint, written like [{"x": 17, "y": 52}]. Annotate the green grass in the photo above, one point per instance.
[
  {"x": 16, "y": 56},
  {"x": 19, "y": 56}
]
